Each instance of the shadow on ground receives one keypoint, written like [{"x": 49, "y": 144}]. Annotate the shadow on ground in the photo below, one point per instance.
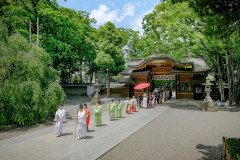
[
  {"x": 209, "y": 152},
  {"x": 193, "y": 105},
  {"x": 67, "y": 134}
]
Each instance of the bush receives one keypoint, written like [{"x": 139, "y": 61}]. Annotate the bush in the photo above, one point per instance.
[
  {"x": 28, "y": 92},
  {"x": 53, "y": 97},
  {"x": 234, "y": 146}
]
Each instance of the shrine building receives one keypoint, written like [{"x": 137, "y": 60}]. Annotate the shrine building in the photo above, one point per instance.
[{"x": 186, "y": 76}]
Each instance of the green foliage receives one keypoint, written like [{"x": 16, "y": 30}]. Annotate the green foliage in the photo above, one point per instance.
[
  {"x": 26, "y": 78},
  {"x": 167, "y": 30},
  {"x": 234, "y": 146},
  {"x": 65, "y": 34},
  {"x": 53, "y": 96},
  {"x": 111, "y": 43},
  {"x": 104, "y": 60}
]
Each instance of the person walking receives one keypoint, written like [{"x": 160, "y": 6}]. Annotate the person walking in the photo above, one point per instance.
[
  {"x": 97, "y": 109},
  {"x": 158, "y": 97},
  {"x": 145, "y": 101},
  {"x": 85, "y": 108},
  {"x": 134, "y": 104},
  {"x": 128, "y": 110},
  {"x": 111, "y": 109},
  {"x": 139, "y": 101},
  {"x": 81, "y": 123},
  {"x": 119, "y": 109},
  {"x": 60, "y": 117}
]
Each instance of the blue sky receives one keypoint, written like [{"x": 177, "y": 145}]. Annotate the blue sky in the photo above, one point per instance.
[{"x": 123, "y": 13}]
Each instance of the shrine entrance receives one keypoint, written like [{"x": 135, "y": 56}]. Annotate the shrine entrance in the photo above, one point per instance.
[
  {"x": 164, "y": 73},
  {"x": 163, "y": 82}
]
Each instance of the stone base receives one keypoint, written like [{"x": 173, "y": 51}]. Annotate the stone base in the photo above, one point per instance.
[
  {"x": 93, "y": 101},
  {"x": 209, "y": 107}
]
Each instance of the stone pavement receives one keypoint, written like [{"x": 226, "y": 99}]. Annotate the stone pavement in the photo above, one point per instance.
[
  {"x": 179, "y": 134},
  {"x": 43, "y": 144}
]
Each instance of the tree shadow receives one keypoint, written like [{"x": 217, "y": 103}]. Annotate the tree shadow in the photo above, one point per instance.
[
  {"x": 114, "y": 119},
  {"x": 184, "y": 105},
  {"x": 210, "y": 152}
]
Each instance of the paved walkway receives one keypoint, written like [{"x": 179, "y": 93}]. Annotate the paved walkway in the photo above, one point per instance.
[
  {"x": 43, "y": 144},
  {"x": 179, "y": 134}
]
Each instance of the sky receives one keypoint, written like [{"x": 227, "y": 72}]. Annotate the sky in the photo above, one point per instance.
[{"x": 123, "y": 13}]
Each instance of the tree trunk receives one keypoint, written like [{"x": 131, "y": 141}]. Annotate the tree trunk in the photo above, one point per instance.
[
  {"x": 232, "y": 83},
  {"x": 220, "y": 79},
  {"x": 108, "y": 85}
]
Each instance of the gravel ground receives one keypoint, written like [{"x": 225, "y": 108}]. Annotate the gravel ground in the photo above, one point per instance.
[{"x": 179, "y": 134}]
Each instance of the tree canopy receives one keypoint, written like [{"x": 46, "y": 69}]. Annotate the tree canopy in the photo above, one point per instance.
[{"x": 28, "y": 91}]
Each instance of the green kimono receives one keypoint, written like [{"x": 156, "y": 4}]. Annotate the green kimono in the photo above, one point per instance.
[
  {"x": 111, "y": 109},
  {"x": 98, "y": 113},
  {"x": 119, "y": 110}
]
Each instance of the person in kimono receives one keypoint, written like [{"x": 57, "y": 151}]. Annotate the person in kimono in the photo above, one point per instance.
[
  {"x": 153, "y": 100},
  {"x": 97, "y": 109},
  {"x": 163, "y": 96},
  {"x": 60, "y": 117},
  {"x": 85, "y": 108},
  {"x": 111, "y": 109},
  {"x": 119, "y": 109},
  {"x": 81, "y": 123},
  {"x": 128, "y": 110},
  {"x": 150, "y": 100},
  {"x": 158, "y": 97},
  {"x": 145, "y": 101},
  {"x": 139, "y": 101},
  {"x": 134, "y": 104}
]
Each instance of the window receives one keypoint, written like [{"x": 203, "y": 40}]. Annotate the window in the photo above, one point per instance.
[{"x": 185, "y": 87}]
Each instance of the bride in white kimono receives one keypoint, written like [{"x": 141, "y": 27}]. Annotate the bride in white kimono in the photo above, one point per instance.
[
  {"x": 81, "y": 125},
  {"x": 145, "y": 100}
]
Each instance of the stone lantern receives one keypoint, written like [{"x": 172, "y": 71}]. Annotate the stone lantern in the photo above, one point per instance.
[
  {"x": 97, "y": 88},
  {"x": 208, "y": 104}
]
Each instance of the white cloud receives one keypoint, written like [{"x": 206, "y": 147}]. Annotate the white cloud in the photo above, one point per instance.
[
  {"x": 109, "y": 2},
  {"x": 128, "y": 10},
  {"x": 103, "y": 13},
  {"x": 137, "y": 22}
]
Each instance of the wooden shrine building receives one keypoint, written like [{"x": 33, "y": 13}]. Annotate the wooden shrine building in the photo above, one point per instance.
[{"x": 187, "y": 76}]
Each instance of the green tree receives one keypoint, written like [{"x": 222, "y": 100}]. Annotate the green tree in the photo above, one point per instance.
[
  {"x": 220, "y": 27},
  {"x": 111, "y": 43},
  {"x": 65, "y": 34},
  {"x": 26, "y": 75}
]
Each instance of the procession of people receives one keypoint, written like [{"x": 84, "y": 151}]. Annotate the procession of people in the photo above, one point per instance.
[{"x": 115, "y": 111}]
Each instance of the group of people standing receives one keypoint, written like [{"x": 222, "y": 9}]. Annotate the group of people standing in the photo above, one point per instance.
[{"x": 151, "y": 99}]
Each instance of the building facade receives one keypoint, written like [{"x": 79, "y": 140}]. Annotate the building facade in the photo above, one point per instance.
[{"x": 186, "y": 77}]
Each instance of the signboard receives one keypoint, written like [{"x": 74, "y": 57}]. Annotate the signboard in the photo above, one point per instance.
[
  {"x": 90, "y": 90},
  {"x": 163, "y": 77}
]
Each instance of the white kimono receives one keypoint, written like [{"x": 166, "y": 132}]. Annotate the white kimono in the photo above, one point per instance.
[
  {"x": 82, "y": 128},
  {"x": 145, "y": 101},
  {"x": 59, "y": 123}
]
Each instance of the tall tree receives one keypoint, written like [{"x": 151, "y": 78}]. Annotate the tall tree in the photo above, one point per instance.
[
  {"x": 220, "y": 19},
  {"x": 64, "y": 33},
  {"x": 110, "y": 43}
]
